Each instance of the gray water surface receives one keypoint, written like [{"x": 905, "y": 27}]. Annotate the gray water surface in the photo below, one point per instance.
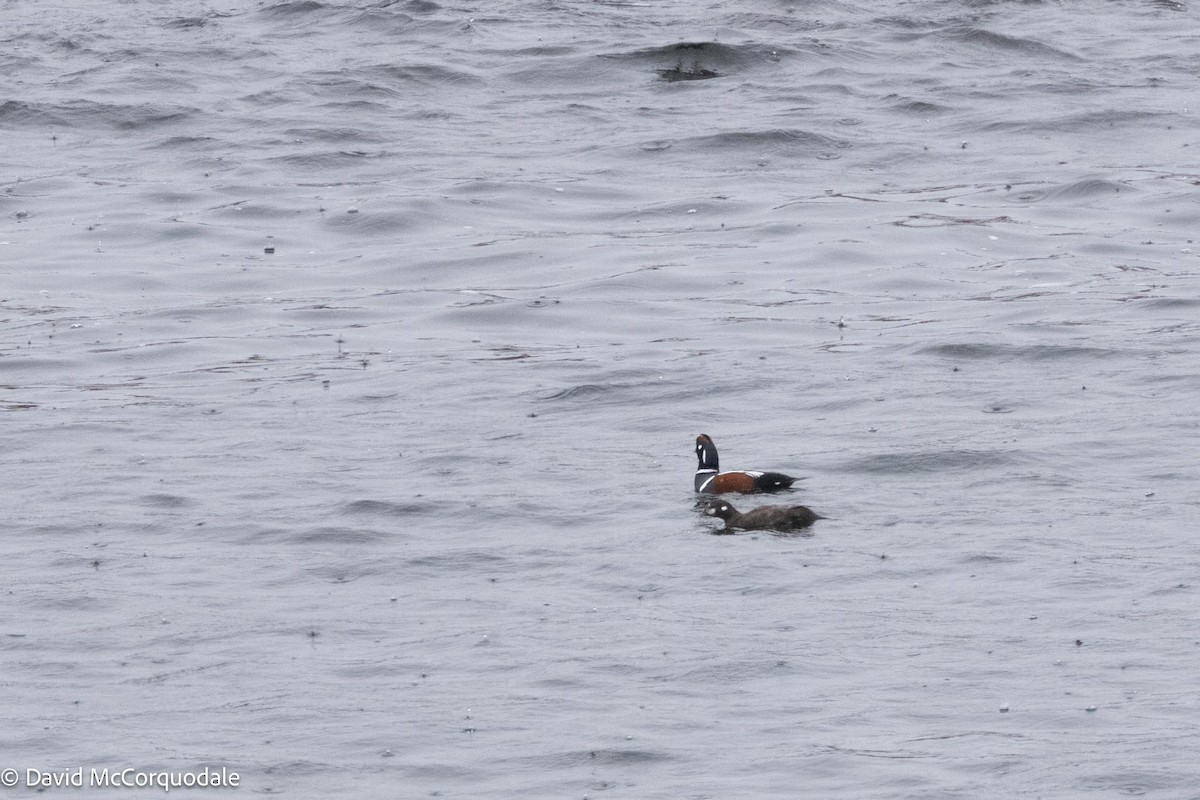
[{"x": 352, "y": 355}]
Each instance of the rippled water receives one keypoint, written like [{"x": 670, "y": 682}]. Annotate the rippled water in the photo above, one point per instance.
[{"x": 352, "y": 357}]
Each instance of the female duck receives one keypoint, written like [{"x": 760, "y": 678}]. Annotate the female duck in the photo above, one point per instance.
[{"x": 763, "y": 518}]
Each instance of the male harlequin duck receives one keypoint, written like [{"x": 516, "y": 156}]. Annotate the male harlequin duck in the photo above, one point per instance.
[
  {"x": 763, "y": 518},
  {"x": 710, "y": 480}
]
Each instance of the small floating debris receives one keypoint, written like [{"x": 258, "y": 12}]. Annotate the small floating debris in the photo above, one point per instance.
[
  {"x": 1004, "y": 708},
  {"x": 693, "y": 73}
]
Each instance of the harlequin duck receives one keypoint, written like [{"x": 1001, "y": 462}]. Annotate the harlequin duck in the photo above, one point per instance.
[
  {"x": 763, "y": 518},
  {"x": 710, "y": 480}
]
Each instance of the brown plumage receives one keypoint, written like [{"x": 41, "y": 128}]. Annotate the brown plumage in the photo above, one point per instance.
[
  {"x": 710, "y": 480},
  {"x": 763, "y": 518}
]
